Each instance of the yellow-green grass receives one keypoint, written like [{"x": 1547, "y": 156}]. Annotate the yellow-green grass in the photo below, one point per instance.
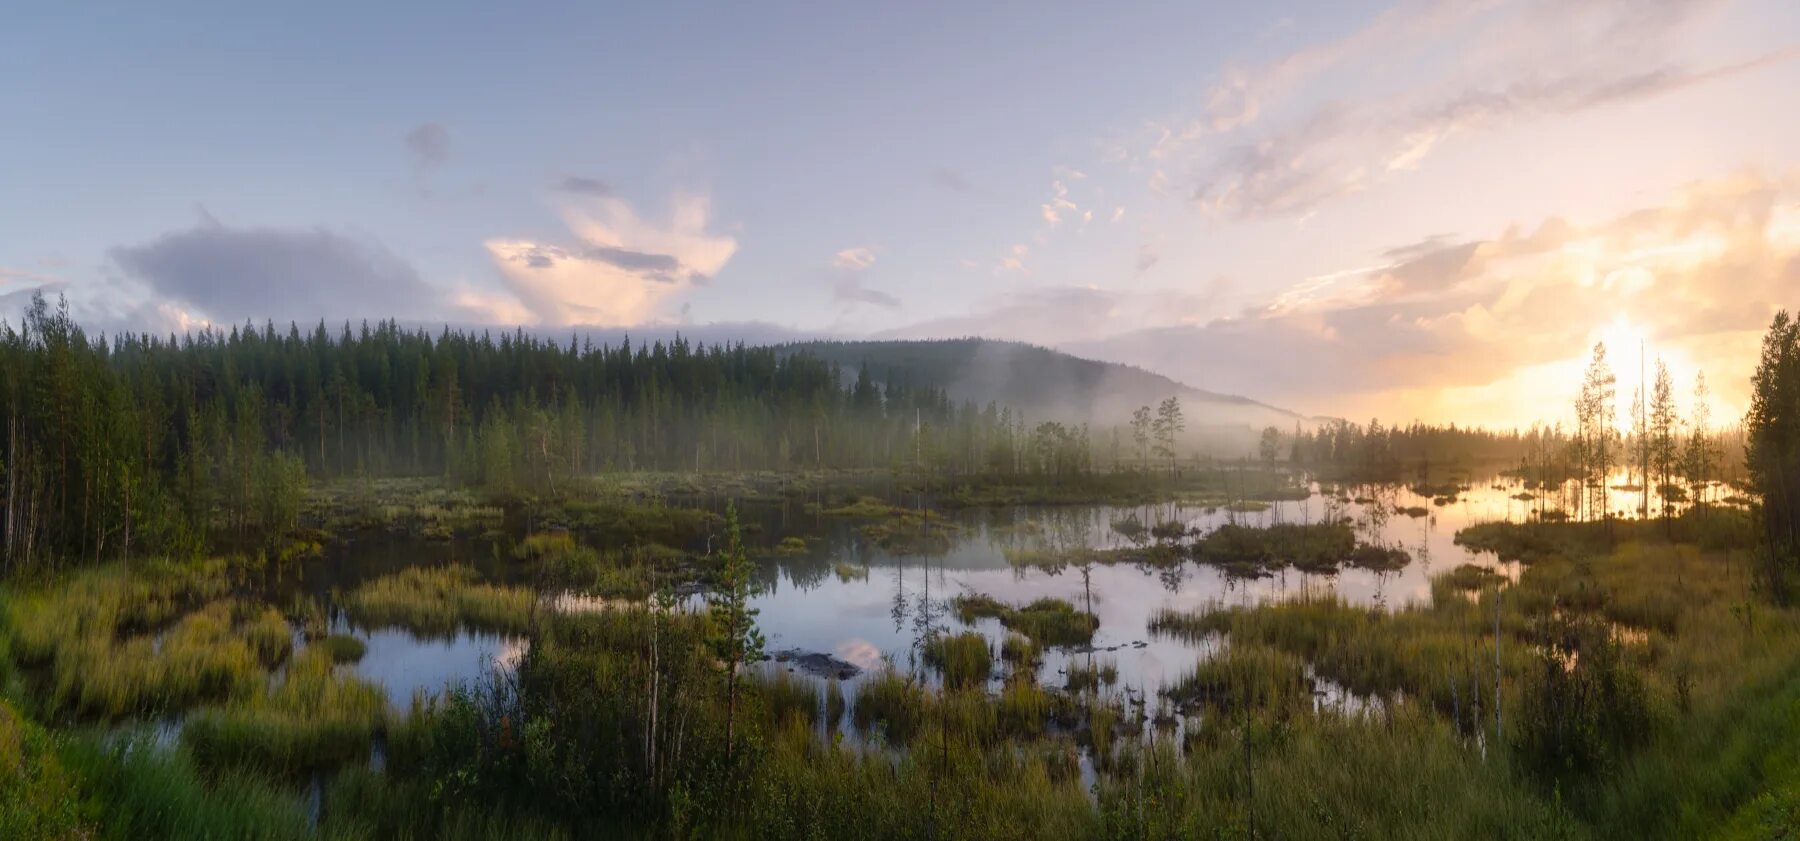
[
  {"x": 964, "y": 659},
  {"x": 39, "y": 798},
  {"x": 1047, "y": 621},
  {"x": 438, "y": 600},
  {"x": 315, "y": 718}
]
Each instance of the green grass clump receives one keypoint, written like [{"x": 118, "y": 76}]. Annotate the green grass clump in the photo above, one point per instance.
[
  {"x": 1258, "y": 676},
  {"x": 1472, "y": 577},
  {"x": 1259, "y": 550},
  {"x": 138, "y": 791},
  {"x": 202, "y": 659},
  {"x": 341, "y": 648},
  {"x": 314, "y": 719},
  {"x": 438, "y": 600},
  {"x": 269, "y": 636},
  {"x": 39, "y": 798},
  {"x": 783, "y": 696},
  {"x": 1023, "y": 709},
  {"x": 964, "y": 659},
  {"x": 891, "y": 702},
  {"x": 1046, "y": 622},
  {"x": 1021, "y": 652},
  {"x": 541, "y": 545},
  {"x": 851, "y": 572}
]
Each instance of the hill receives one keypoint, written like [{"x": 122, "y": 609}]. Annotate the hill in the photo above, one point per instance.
[{"x": 1045, "y": 384}]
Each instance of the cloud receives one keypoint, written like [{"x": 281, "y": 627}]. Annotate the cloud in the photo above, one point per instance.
[
  {"x": 854, "y": 259},
  {"x": 950, "y": 179},
  {"x": 1147, "y": 258},
  {"x": 1014, "y": 261},
  {"x": 1285, "y": 138},
  {"x": 582, "y": 186},
  {"x": 429, "y": 143},
  {"x": 227, "y": 274},
  {"x": 1059, "y": 203},
  {"x": 1497, "y": 327},
  {"x": 619, "y": 271},
  {"x": 851, "y": 291}
]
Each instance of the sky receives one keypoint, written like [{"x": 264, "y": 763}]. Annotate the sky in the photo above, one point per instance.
[{"x": 1429, "y": 209}]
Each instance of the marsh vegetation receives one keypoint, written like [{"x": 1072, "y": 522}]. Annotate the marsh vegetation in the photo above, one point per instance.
[{"x": 713, "y": 609}]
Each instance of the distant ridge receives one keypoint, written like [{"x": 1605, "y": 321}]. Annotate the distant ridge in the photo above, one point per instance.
[{"x": 1045, "y": 384}]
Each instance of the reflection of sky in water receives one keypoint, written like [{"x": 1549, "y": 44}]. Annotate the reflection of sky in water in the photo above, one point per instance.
[
  {"x": 866, "y": 620},
  {"x": 814, "y": 610},
  {"x": 404, "y": 663}
]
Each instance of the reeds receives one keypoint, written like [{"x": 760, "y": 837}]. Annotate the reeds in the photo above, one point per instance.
[
  {"x": 438, "y": 600},
  {"x": 964, "y": 659},
  {"x": 1047, "y": 621}
]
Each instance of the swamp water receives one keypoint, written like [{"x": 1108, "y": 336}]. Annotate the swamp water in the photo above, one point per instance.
[{"x": 864, "y": 607}]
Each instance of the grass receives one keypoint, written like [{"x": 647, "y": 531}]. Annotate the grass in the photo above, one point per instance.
[
  {"x": 1046, "y": 622},
  {"x": 314, "y": 719},
  {"x": 890, "y": 704},
  {"x": 438, "y": 600},
  {"x": 1470, "y": 578},
  {"x": 850, "y": 572},
  {"x": 964, "y": 659},
  {"x": 784, "y": 696},
  {"x": 1260, "y": 677},
  {"x": 39, "y": 798},
  {"x": 202, "y": 658},
  {"x": 1021, "y": 652},
  {"x": 342, "y": 648}
]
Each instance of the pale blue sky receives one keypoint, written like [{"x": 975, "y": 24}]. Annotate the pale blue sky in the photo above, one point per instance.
[{"x": 1165, "y": 184}]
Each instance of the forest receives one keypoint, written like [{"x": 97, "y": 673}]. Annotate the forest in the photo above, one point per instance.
[{"x": 736, "y": 592}]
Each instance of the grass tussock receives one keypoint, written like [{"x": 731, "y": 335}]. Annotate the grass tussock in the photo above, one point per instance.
[
  {"x": 438, "y": 600},
  {"x": 965, "y": 659},
  {"x": 1046, "y": 622},
  {"x": 315, "y": 718}
]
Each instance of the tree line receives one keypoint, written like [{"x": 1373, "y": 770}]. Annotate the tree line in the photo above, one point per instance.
[{"x": 142, "y": 443}]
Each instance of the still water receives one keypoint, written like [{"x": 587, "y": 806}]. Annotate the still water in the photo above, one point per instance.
[{"x": 868, "y": 607}]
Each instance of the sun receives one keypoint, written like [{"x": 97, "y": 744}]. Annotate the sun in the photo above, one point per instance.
[{"x": 1623, "y": 338}]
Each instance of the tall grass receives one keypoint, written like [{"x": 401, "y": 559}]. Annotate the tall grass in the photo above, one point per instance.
[
  {"x": 964, "y": 659},
  {"x": 39, "y": 798},
  {"x": 1047, "y": 621},
  {"x": 438, "y": 600},
  {"x": 315, "y": 718}
]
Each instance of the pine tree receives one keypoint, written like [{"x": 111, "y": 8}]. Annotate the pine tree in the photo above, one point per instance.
[{"x": 732, "y": 632}]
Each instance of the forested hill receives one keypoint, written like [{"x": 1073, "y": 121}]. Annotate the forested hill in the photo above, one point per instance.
[{"x": 1042, "y": 383}]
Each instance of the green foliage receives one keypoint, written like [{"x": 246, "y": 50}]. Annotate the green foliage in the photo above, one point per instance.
[
  {"x": 1772, "y": 453},
  {"x": 1584, "y": 708},
  {"x": 38, "y": 796},
  {"x": 138, "y": 791}
]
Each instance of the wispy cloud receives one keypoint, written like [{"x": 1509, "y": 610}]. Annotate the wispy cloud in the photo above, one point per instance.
[
  {"x": 1283, "y": 139},
  {"x": 619, "y": 270},
  {"x": 854, "y": 259},
  {"x": 584, "y": 186},
  {"x": 1499, "y": 319}
]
